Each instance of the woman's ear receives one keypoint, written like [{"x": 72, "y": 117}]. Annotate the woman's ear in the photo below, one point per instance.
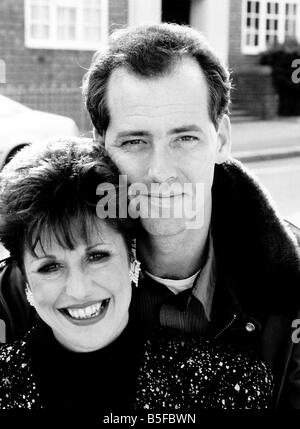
[{"x": 224, "y": 140}]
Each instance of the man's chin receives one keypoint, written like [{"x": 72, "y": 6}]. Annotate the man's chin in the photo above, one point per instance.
[{"x": 164, "y": 227}]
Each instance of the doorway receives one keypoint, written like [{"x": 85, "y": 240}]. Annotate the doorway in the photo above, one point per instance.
[{"x": 177, "y": 11}]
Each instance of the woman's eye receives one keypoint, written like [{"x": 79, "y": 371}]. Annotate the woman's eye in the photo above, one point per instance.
[
  {"x": 98, "y": 256},
  {"x": 49, "y": 268}
]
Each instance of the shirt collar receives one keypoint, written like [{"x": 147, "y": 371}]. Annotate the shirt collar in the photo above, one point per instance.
[{"x": 205, "y": 283}]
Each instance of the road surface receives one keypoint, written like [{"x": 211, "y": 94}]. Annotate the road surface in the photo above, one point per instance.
[{"x": 281, "y": 178}]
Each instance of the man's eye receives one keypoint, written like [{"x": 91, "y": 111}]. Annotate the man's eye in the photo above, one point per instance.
[
  {"x": 133, "y": 142},
  {"x": 98, "y": 256},
  {"x": 49, "y": 268},
  {"x": 188, "y": 138}
]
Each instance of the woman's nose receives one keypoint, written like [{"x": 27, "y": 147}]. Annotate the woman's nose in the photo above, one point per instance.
[{"x": 77, "y": 284}]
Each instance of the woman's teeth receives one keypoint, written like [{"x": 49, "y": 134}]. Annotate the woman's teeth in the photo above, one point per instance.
[{"x": 87, "y": 312}]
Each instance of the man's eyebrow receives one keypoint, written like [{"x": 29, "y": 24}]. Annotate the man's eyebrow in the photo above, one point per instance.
[
  {"x": 135, "y": 133},
  {"x": 177, "y": 130},
  {"x": 186, "y": 128}
]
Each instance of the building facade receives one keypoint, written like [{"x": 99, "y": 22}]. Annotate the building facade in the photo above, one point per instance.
[{"x": 46, "y": 45}]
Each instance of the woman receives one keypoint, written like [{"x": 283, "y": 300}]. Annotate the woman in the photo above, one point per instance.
[
  {"x": 83, "y": 354},
  {"x": 77, "y": 267}
]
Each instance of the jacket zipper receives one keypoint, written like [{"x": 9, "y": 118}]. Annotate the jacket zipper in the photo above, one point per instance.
[{"x": 226, "y": 327}]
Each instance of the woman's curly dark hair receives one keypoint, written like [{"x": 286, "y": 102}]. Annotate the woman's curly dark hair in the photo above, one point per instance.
[{"x": 49, "y": 189}]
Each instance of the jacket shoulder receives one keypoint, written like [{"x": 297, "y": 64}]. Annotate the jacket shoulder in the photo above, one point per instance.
[{"x": 16, "y": 314}]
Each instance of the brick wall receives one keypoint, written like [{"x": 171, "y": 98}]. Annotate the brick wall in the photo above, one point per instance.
[
  {"x": 236, "y": 58},
  {"x": 57, "y": 70},
  {"x": 254, "y": 91}
]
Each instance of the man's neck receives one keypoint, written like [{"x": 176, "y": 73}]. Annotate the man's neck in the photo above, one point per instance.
[{"x": 174, "y": 257}]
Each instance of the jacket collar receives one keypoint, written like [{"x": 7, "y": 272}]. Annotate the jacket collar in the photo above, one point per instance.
[{"x": 256, "y": 253}]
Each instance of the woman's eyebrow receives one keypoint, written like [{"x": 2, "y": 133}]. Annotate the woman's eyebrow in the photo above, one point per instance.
[
  {"x": 45, "y": 256},
  {"x": 100, "y": 243}
]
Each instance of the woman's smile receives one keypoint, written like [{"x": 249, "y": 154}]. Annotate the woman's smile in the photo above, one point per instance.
[{"x": 86, "y": 314}]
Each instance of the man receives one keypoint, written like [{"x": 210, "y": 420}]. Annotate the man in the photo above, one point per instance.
[{"x": 158, "y": 98}]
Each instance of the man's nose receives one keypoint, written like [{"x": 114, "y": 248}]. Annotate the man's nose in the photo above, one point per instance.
[
  {"x": 162, "y": 166},
  {"x": 77, "y": 284}
]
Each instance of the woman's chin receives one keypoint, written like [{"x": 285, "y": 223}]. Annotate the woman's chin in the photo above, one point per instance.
[{"x": 90, "y": 334}]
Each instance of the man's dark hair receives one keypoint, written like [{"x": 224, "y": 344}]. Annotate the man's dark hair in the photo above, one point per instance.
[
  {"x": 50, "y": 190},
  {"x": 151, "y": 51}
]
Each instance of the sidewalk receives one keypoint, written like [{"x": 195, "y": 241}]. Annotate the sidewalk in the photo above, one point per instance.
[{"x": 263, "y": 140}]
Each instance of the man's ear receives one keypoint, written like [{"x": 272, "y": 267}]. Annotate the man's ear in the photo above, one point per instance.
[
  {"x": 97, "y": 137},
  {"x": 224, "y": 140}
]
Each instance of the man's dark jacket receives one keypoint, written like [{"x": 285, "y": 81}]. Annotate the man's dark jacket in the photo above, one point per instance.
[
  {"x": 258, "y": 279},
  {"x": 258, "y": 264}
]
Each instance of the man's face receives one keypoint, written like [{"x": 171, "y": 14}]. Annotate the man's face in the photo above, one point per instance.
[{"x": 160, "y": 132}]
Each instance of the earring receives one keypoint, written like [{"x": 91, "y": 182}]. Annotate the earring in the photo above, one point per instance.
[
  {"x": 135, "y": 265},
  {"x": 29, "y": 295},
  {"x": 135, "y": 268}
]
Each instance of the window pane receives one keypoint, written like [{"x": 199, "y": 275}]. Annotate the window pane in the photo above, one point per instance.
[
  {"x": 34, "y": 12},
  {"x": 66, "y": 22},
  {"x": 92, "y": 33},
  {"x": 92, "y": 15},
  {"x": 87, "y": 14},
  {"x": 39, "y": 11},
  {"x": 34, "y": 31},
  {"x": 44, "y": 31},
  {"x": 39, "y": 31},
  {"x": 92, "y": 22}
]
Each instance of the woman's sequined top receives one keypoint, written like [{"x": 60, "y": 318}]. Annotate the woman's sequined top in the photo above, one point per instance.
[{"x": 169, "y": 370}]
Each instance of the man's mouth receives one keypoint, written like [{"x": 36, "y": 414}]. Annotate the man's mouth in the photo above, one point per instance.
[
  {"x": 164, "y": 195},
  {"x": 86, "y": 313}
]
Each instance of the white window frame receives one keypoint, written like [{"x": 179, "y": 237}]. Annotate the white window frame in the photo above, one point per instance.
[
  {"x": 254, "y": 50},
  {"x": 52, "y": 42}
]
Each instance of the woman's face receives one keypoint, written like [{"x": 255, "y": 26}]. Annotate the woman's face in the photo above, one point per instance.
[{"x": 82, "y": 294}]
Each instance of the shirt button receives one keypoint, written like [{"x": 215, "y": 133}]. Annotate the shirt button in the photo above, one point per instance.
[{"x": 250, "y": 327}]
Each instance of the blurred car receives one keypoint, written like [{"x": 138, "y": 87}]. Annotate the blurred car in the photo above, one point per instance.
[
  {"x": 21, "y": 126},
  {"x": 294, "y": 219}
]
